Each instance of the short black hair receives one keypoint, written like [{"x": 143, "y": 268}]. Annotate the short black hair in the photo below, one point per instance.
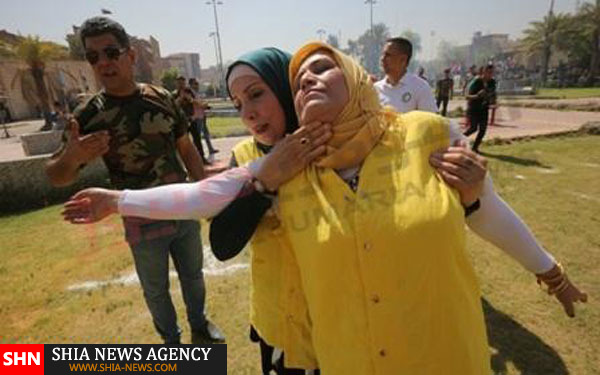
[
  {"x": 103, "y": 25},
  {"x": 404, "y": 46}
]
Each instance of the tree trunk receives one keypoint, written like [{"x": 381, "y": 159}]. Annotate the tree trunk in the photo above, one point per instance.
[
  {"x": 594, "y": 60},
  {"x": 594, "y": 63},
  {"x": 546, "y": 54},
  {"x": 38, "y": 77}
]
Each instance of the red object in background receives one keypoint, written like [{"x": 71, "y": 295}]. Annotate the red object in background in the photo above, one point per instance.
[{"x": 22, "y": 359}]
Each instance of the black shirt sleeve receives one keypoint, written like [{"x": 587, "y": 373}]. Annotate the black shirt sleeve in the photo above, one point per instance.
[{"x": 233, "y": 227}]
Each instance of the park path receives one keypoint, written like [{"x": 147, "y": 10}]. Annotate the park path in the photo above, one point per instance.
[{"x": 510, "y": 122}]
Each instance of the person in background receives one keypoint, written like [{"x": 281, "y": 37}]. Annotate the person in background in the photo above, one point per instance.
[
  {"x": 481, "y": 92},
  {"x": 199, "y": 117},
  {"x": 185, "y": 97},
  {"x": 400, "y": 89},
  {"x": 444, "y": 88},
  {"x": 58, "y": 116}
]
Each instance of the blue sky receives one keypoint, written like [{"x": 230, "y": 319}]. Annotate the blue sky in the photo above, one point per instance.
[{"x": 184, "y": 25}]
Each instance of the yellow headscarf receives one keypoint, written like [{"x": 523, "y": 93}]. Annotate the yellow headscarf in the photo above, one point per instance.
[{"x": 361, "y": 123}]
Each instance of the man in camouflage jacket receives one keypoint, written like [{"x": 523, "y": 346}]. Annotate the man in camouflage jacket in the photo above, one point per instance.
[{"x": 139, "y": 132}]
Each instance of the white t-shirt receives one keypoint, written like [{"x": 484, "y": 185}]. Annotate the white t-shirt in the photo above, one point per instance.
[{"x": 410, "y": 94}]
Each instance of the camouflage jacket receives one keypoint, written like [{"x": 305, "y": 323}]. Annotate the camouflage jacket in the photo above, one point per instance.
[{"x": 143, "y": 130}]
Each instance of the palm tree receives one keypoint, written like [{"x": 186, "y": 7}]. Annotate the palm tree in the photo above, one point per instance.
[
  {"x": 36, "y": 54},
  {"x": 370, "y": 44},
  {"x": 589, "y": 16},
  {"x": 543, "y": 37}
]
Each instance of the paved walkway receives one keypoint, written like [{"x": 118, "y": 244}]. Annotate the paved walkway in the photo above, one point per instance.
[
  {"x": 510, "y": 122},
  {"x": 517, "y": 122}
]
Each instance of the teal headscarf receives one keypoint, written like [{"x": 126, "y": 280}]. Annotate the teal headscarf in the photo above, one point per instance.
[{"x": 272, "y": 64}]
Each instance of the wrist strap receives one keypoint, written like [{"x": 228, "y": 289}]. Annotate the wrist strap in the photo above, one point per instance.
[{"x": 472, "y": 207}]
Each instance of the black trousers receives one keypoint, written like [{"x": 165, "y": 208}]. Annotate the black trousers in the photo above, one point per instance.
[
  {"x": 479, "y": 121},
  {"x": 194, "y": 129},
  {"x": 443, "y": 100}
]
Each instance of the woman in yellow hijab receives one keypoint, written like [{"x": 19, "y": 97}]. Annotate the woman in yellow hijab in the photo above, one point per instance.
[{"x": 378, "y": 237}]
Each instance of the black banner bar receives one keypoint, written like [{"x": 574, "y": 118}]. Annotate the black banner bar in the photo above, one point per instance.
[{"x": 135, "y": 359}]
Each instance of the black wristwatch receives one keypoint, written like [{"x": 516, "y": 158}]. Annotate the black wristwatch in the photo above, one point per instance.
[{"x": 472, "y": 208}]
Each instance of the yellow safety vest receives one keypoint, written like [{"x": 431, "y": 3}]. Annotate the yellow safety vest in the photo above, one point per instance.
[
  {"x": 277, "y": 308},
  {"x": 389, "y": 286}
]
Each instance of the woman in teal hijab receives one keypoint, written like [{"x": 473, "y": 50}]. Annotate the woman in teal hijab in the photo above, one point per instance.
[
  {"x": 271, "y": 64},
  {"x": 266, "y": 108}
]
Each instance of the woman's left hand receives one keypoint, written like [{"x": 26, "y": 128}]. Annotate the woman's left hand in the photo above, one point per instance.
[
  {"x": 91, "y": 205},
  {"x": 462, "y": 169},
  {"x": 562, "y": 288}
]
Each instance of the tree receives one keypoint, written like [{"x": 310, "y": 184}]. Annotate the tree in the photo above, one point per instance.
[
  {"x": 36, "y": 54},
  {"x": 76, "y": 50},
  {"x": 543, "y": 37},
  {"x": 352, "y": 49},
  {"x": 367, "y": 48},
  {"x": 588, "y": 18},
  {"x": 333, "y": 41},
  {"x": 450, "y": 54},
  {"x": 168, "y": 78},
  {"x": 415, "y": 40}
]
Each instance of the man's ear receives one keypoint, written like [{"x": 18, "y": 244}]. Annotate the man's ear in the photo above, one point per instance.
[{"x": 131, "y": 54}]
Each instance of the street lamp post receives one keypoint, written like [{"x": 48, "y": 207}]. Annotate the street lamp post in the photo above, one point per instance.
[
  {"x": 372, "y": 65},
  {"x": 213, "y": 35},
  {"x": 371, "y": 3},
  {"x": 214, "y": 3}
]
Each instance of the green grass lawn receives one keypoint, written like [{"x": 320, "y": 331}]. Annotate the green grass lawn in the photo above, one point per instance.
[
  {"x": 570, "y": 93},
  {"x": 553, "y": 183},
  {"x": 226, "y": 126},
  {"x": 219, "y": 103}
]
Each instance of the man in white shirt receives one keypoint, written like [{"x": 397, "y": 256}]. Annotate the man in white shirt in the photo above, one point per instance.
[{"x": 400, "y": 89}]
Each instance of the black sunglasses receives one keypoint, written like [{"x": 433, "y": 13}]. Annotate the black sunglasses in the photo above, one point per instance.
[{"x": 111, "y": 53}]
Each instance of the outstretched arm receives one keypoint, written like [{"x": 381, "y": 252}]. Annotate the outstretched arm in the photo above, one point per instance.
[
  {"x": 177, "y": 201},
  {"x": 498, "y": 224}
]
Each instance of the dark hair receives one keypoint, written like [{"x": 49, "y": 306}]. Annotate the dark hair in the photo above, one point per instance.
[
  {"x": 192, "y": 81},
  {"x": 404, "y": 46},
  {"x": 96, "y": 26},
  {"x": 489, "y": 67}
]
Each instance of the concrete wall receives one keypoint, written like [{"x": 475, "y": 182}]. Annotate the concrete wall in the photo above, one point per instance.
[
  {"x": 63, "y": 78},
  {"x": 41, "y": 142},
  {"x": 24, "y": 184}
]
